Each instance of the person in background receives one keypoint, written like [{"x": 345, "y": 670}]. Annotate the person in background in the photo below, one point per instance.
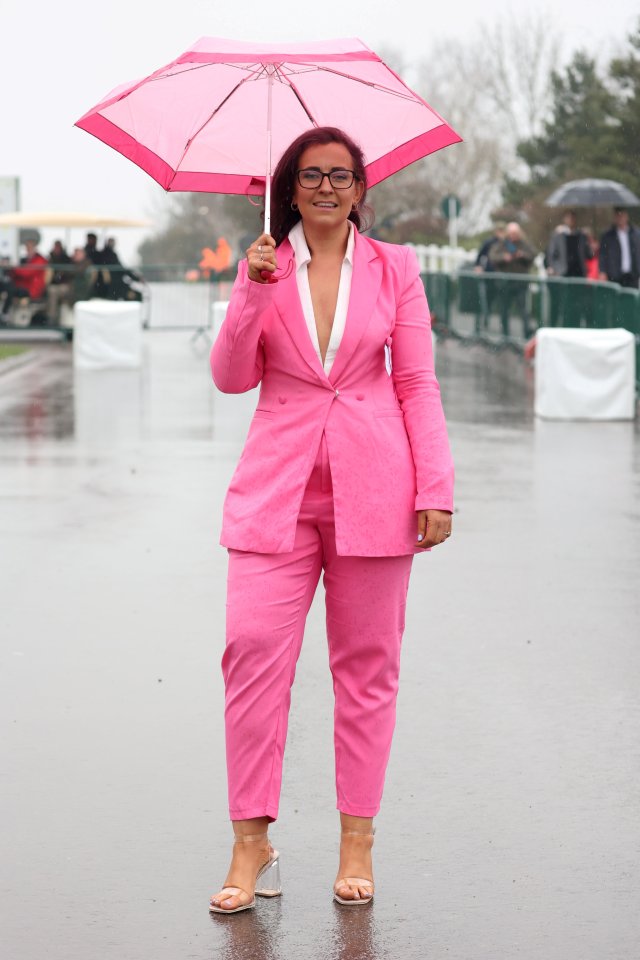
[
  {"x": 566, "y": 256},
  {"x": 619, "y": 258},
  {"x": 121, "y": 277},
  {"x": 28, "y": 279},
  {"x": 5, "y": 283},
  {"x": 514, "y": 255},
  {"x": 593, "y": 269},
  {"x": 109, "y": 255},
  {"x": 486, "y": 290},
  {"x": 102, "y": 278},
  {"x": 568, "y": 249},
  {"x": 91, "y": 249},
  {"x": 483, "y": 263},
  {"x": 82, "y": 276},
  {"x": 58, "y": 279}
]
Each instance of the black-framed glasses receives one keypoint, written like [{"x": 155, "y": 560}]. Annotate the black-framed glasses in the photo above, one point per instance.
[{"x": 312, "y": 177}]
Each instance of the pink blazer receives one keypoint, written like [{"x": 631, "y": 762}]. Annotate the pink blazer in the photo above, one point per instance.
[{"x": 386, "y": 434}]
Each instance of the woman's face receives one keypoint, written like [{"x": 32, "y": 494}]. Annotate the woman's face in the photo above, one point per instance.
[{"x": 326, "y": 206}]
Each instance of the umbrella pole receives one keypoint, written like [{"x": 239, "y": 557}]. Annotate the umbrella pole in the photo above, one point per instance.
[{"x": 267, "y": 190}]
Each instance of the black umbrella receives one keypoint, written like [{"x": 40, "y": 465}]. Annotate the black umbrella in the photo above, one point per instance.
[{"x": 592, "y": 193}]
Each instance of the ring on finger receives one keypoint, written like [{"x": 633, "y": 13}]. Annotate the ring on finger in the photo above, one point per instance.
[{"x": 259, "y": 248}]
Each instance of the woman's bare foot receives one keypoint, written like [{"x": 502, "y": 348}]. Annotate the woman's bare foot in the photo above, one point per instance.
[
  {"x": 251, "y": 850},
  {"x": 356, "y": 842}
]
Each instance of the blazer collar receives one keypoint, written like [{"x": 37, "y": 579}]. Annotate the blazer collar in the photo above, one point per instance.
[
  {"x": 365, "y": 284},
  {"x": 287, "y": 301}
]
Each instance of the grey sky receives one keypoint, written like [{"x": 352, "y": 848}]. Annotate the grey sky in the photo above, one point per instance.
[{"x": 60, "y": 59}]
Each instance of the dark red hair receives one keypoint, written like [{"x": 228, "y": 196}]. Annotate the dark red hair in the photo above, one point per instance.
[{"x": 283, "y": 218}]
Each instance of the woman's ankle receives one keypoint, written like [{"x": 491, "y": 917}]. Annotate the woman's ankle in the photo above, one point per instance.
[
  {"x": 256, "y": 827},
  {"x": 351, "y": 825}
]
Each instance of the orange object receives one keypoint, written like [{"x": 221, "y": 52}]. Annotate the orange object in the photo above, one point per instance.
[{"x": 216, "y": 260}]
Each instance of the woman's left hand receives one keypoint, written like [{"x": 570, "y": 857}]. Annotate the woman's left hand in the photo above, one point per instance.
[{"x": 434, "y": 527}]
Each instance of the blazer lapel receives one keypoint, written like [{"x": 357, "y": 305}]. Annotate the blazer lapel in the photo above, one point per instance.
[
  {"x": 287, "y": 301},
  {"x": 365, "y": 285}
]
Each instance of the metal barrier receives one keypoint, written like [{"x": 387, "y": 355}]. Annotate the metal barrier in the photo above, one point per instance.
[
  {"x": 504, "y": 310},
  {"x": 438, "y": 258},
  {"x": 168, "y": 300},
  {"x": 497, "y": 309},
  {"x": 180, "y": 305}
]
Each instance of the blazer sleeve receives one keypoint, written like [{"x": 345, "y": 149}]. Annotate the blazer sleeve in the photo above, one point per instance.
[
  {"x": 237, "y": 356},
  {"x": 418, "y": 392}
]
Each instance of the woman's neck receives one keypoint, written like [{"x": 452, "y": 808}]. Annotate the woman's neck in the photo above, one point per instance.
[{"x": 327, "y": 242}]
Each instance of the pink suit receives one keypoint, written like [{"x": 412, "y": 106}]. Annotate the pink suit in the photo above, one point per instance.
[{"x": 331, "y": 475}]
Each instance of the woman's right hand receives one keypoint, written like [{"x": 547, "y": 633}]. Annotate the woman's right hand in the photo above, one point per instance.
[{"x": 261, "y": 258}]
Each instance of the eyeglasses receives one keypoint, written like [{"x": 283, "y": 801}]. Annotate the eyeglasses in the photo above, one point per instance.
[{"x": 311, "y": 178}]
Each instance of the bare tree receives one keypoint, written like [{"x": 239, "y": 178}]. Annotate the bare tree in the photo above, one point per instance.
[
  {"x": 494, "y": 90},
  {"x": 454, "y": 84},
  {"x": 520, "y": 55}
]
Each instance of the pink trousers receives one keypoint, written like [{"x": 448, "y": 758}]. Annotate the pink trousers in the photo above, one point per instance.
[{"x": 268, "y": 598}]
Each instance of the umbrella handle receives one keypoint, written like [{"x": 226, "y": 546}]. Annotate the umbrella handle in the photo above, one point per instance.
[
  {"x": 267, "y": 191},
  {"x": 271, "y": 278}
]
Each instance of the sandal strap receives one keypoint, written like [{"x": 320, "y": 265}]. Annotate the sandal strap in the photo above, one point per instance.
[
  {"x": 272, "y": 858},
  {"x": 353, "y": 882},
  {"x": 231, "y": 890}
]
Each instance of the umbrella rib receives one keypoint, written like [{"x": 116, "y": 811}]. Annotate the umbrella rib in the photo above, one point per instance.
[
  {"x": 250, "y": 68},
  {"x": 366, "y": 83},
  {"x": 300, "y": 99},
  {"x": 208, "y": 120},
  {"x": 258, "y": 70},
  {"x": 286, "y": 82}
]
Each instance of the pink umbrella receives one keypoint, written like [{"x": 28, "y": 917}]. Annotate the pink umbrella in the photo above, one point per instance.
[{"x": 213, "y": 120}]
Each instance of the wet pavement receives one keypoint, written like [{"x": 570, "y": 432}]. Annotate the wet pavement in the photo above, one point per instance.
[{"x": 511, "y": 821}]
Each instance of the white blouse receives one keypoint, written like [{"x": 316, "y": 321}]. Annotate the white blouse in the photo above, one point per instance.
[{"x": 301, "y": 252}]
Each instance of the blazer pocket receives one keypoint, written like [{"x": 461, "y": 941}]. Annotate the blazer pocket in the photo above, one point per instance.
[
  {"x": 261, "y": 414},
  {"x": 393, "y": 412}
]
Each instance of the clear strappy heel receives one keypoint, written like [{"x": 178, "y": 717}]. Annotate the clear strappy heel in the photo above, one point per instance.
[
  {"x": 366, "y": 882},
  {"x": 267, "y": 880}
]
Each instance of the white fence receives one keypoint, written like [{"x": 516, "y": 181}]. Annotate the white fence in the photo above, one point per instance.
[
  {"x": 435, "y": 259},
  {"x": 180, "y": 304}
]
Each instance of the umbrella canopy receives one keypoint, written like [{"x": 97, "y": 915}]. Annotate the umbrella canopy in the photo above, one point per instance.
[
  {"x": 68, "y": 220},
  {"x": 592, "y": 193},
  {"x": 207, "y": 121}
]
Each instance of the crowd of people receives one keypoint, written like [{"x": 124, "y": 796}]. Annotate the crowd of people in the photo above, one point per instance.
[
  {"x": 572, "y": 251},
  {"x": 63, "y": 278}
]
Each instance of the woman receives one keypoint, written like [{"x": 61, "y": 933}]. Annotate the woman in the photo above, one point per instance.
[{"x": 346, "y": 469}]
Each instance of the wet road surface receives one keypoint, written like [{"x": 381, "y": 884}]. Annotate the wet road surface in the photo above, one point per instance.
[{"x": 511, "y": 821}]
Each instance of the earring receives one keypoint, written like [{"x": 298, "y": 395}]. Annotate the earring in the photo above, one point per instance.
[
  {"x": 354, "y": 206},
  {"x": 294, "y": 205}
]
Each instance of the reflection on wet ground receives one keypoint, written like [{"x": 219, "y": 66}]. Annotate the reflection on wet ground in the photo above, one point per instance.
[
  {"x": 347, "y": 935},
  {"x": 171, "y": 397},
  {"x": 510, "y": 825}
]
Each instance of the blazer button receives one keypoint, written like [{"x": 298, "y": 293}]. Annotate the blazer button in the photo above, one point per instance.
[
  {"x": 337, "y": 393},
  {"x": 360, "y": 396},
  {"x": 282, "y": 399}
]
